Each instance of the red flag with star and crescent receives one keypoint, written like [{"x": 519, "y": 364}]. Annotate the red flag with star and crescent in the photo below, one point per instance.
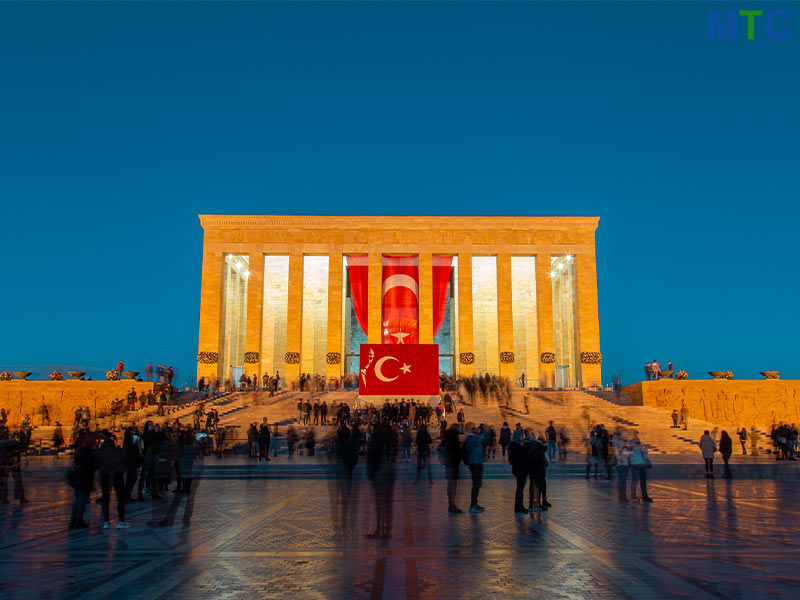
[
  {"x": 400, "y": 292},
  {"x": 399, "y": 370}
]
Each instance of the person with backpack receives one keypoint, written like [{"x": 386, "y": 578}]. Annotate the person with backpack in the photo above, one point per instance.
[{"x": 743, "y": 439}]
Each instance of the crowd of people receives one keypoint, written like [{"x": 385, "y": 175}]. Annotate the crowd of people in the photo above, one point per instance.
[{"x": 146, "y": 462}]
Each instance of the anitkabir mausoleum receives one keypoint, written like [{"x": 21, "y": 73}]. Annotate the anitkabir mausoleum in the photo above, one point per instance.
[{"x": 508, "y": 296}]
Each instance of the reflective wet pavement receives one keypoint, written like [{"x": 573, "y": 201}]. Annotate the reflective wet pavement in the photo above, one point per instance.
[{"x": 293, "y": 539}]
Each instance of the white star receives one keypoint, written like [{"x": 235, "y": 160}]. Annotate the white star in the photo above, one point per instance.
[
  {"x": 405, "y": 368},
  {"x": 400, "y": 336}
]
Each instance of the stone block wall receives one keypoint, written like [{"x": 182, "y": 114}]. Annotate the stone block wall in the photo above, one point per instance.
[
  {"x": 62, "y": 397},
  {"x": 730, "y": 402}
]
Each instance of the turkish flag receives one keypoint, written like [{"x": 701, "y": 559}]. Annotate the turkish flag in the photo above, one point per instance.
[
  {"x": 400, "y": 300},
  {"x": 399, "y": 370}
]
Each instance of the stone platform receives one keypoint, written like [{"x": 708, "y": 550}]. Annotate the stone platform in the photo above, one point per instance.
[{"x": 306, "y": 539}]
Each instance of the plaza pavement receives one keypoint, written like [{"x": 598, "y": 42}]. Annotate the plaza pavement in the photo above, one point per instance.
[{"x": 291, "y": 538}]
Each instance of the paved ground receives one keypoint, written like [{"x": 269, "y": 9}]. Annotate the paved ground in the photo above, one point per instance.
[{"x": 292, "y": 539}]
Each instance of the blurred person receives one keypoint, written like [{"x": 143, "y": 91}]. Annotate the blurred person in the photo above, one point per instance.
[
  {"x": 726, "y": 449},
  {"x": 81, "y": 479},
  {"x": 424, "y": 452},
  {"x": 536, "y": 458},
  {"x": 622, "y": 453},
  {"x": 519, "y": 467},
  {"x": 110, "y": 463},
  {"x": 188, "y": 456},
  {"x": 264, "y": 436},
  {"x": 551, "y": 441},
  {"x": 133, "y": 460},
  {"x": 640, "y": 463},
  {"x": 474, "y": 456},
  {"x": 452, "y": 455},
  {"x": 10, "y": 464},
  {"x": 743, "y": 439},
  {"x": 380, "y": 472},
  {"x": 708, "y": 447},
  {"x": 505, "y": 438}
]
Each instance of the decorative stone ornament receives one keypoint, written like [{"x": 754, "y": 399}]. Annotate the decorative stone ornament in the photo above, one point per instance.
[
  {"x": 591, "y": 358},
  {"x": 770, "y": 374},
  {"x": 56, "y": 376},
  {"x": 207, "y": 358},
  {"x": 507, "y": 358},
  {"x": 251, "y": 358},
  {"x": 112, "y": 375},
  {"x": 333, "y": 358},
  {"x": 466, "y": 358},
  {"x": 682, "y": 375},
  {"x": 292, "y": 358},
  {"x": 6, "y": 376},
  {"x": 548, "y": 358}
]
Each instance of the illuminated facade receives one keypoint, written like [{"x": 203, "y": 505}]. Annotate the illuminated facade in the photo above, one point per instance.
[{"x": 500, "y": 295}]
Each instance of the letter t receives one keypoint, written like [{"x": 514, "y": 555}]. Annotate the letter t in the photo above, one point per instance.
[{"x": 751, "y": 15}]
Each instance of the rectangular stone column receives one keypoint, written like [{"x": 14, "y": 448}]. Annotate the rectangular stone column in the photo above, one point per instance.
[
  {"x": 544, "y": 311},
  {"x": 505, "y": 315},
  {"x": 465, "y": 340},
  {"x": 375, "y": 299},
  {"x": 333, "y": 372},
  {"x": 425, "y": 298},
  {"x": 588, "y": 317},
  {"x": 255, "y": 299},
  {"x": 210, "y": 336},
  {"x": 294, "y": 320}
]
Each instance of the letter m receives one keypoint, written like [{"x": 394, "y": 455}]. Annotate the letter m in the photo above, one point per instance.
[{"x": 716, "y": 28}]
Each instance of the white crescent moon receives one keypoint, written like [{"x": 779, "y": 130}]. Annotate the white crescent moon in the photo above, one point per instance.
[
  {"x": 378, "y": 366},
  {"x": 400, "y": 280}
]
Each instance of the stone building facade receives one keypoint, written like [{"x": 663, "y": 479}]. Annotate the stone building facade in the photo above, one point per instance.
[{"x": 518, "y": 295}]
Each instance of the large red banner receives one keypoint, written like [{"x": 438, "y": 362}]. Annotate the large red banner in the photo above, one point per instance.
[
  {"x": 400, "y": 300},
  {"x": 399, "y": 370}
]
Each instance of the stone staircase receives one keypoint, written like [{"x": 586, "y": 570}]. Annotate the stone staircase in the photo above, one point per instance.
[{"x": 580, "y": 411}]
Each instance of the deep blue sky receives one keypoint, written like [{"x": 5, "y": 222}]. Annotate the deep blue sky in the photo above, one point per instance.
[{"x": 119, "y": 123}]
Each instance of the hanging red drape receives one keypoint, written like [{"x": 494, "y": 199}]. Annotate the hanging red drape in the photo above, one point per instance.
[
  {"x": 441, "y": 279},
  {"x": 400, "y": 292},
  {"x": 358, "y": 271}
]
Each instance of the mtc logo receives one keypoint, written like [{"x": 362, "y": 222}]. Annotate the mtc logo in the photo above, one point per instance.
[{"x": 719, "y": 30}]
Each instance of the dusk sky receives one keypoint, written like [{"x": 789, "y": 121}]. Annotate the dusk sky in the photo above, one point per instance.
[{"x": 120, "y": 123}]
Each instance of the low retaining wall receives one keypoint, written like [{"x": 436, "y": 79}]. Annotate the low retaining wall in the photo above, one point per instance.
[
  {"x": 760, "y": 402},
  {"x": 62, "y": 397}
]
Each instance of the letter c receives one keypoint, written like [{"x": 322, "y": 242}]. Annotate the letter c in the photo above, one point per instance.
[{"x": 768, "y": 25}]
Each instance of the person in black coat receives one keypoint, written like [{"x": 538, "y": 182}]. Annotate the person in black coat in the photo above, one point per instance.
[
  {"x": 81, "y": 478},
  {"x": 264, "y": 437},
  {"x": 424, "y": 452},
  {"x": 726, "y": 449},
  {"x": 537, "y": 471},
  {"x": 519, "y": 467},
  {"x": 452, "y": 453},
  {"x": 133, "y": 460}
]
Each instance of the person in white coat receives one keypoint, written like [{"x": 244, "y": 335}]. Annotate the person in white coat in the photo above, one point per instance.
[{"x": 708, "y": 447}]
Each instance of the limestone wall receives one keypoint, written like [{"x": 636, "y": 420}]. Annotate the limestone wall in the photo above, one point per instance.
[
  {"x": 62, "y": 397},
  {"x": 736, "y": 403}
]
